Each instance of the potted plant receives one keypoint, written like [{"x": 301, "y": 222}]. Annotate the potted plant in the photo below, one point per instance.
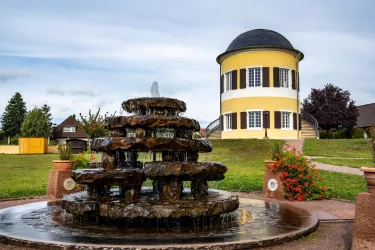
[
  {"x": 369, "y": 172},
  {"x": 65, "y": 155}
]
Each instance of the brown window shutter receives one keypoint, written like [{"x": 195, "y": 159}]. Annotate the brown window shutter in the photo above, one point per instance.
[
  {"x": 221, "y": 122},
  {"x": 276, "y": 79},
  {"x": 299, "y": 122},
  {"x": 277, "y": 119},
  {"x": 266, "y": 119},
  {"x": 242, "y": 78},
  {"x": 234, "y": 79},
  {"x": 234, "y": 120},
  {"x": 222, "y": 84},
  {"x": 243, "y": 120},
  {"x": 295, "y": 121},
  {"x": 293, "y": 79},
  {"x": 266, "y": 76}
]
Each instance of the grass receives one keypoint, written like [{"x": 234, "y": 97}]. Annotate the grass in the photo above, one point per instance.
[
  {"x": 246, "y": 169},
  {"x": 24, "y": 175},
  {"x": 353, "y": 163},
  {"x": 242, "y": 158},
  {"x": 27, "y": 175},
  {"x": 349, "y": 148},
  {"x": 343, "y": 186}
]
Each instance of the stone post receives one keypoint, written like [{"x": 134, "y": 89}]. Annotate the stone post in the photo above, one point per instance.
[
  {"x": 364, "y": 223},
  {"x": 273, "y": 186}
]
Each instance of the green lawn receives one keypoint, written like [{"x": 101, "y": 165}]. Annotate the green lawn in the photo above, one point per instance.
[
  {"x": 343, "y": 186},
  {"x": 242, "y": 158},
  {"x": 24, "y": 175},
  {"x": 246, "y": 168},
  {"x": 356, "y": 148},
  {"x": 27, "y": 175},
  {"x": 353, "y": 163}
]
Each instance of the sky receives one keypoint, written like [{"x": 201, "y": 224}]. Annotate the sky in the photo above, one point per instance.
[{"x": 80, "y": 55}]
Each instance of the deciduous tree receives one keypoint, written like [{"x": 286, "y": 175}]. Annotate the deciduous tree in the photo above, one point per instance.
[
  {"x": 36, "y": 124},
  {"x": 331, "y": 107},
  {"x": 13, "y": 116},
  {"x": 93, "y": 125}
]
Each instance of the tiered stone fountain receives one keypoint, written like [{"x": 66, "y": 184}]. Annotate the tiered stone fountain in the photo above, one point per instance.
[
  {"x": 157, "y": 128},
  {"x": 116, "y": 212}
]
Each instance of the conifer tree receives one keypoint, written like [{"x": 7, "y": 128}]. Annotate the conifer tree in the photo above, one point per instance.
[{"x": 13, "y": 116}]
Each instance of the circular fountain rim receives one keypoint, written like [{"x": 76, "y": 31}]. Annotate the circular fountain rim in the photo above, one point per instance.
[{"x": 240, "y": 244}]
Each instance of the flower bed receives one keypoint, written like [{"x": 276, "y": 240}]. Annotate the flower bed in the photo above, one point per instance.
[{"x": 300, "y": 178}]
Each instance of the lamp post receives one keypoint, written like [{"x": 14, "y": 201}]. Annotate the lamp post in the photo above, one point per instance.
[{"x": 265, "y": 116}]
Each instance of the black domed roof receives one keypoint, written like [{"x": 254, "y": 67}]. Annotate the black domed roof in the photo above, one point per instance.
[{"x": 259, "y": 38}]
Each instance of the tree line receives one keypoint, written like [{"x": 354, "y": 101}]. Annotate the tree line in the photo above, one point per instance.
[{"x": 17, "y": 121}]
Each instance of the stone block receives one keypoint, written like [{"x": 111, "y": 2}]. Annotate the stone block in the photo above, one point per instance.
[
  {"x": 278, "y": 193},
  {"x": 364, "y": 223},
  {"x": 56, "y": 180}
]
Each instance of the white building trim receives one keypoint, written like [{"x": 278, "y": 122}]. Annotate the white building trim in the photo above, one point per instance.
[{"x": 259, "y": 92}]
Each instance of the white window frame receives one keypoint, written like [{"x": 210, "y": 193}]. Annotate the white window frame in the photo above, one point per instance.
[
  {"x": 225, "y": 115},
  {"x": 261, "y": 119},
  {"x": 289, "y": 77},
  {"x": 72, "y": 129},
  {"x": 247, "y": 76},
  {"x": 290, "y": 119},
  {"x": 225, "y": 80}
]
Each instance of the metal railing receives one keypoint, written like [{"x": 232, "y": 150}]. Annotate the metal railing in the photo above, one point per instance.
[
  {"x": 311, "y": 121},
  {"x": 212, "y": 127}
]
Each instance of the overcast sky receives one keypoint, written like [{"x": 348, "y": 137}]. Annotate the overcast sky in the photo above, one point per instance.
[{"x": 81, "y": 55}]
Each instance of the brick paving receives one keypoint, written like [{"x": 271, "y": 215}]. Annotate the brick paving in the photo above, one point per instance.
[{"x": 325, "y": 210}]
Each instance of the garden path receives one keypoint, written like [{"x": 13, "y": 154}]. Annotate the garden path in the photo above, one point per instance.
[{"x": 298, "y": 144}]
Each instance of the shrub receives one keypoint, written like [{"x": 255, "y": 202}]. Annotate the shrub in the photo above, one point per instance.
[
  {"x": 53, "y": 143},
  {"x": 65, "y": 151},
  {"x": 372, "y": 133},
  {"x": 341, "y": 134},
  {"x": 276, "y": 150},
  {"x": 357, "y": 133},
  {"x": 299, "y": 176},
  {"x": 80, "y": 160},
  {"x": 323, "y": 134},
  {"x": 368, "y": 132}
]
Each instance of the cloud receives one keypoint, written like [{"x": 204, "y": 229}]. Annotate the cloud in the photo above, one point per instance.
[
  {"x": 98, "y": 57},
  {"x": 84, "y": 91},
  {"x": 13, "y": 74}
]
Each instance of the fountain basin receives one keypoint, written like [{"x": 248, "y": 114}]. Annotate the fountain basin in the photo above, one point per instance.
[
  {"x": 215, "y": 203},
  {"x": 211, "y": 171},
  {"x": 162, "y": 106},
  {"x": 123, "y": 177},
  {"x": 256, "y": 223},
  {"x": 153, "y": 121},
  {"x": 150, "y": 144}
]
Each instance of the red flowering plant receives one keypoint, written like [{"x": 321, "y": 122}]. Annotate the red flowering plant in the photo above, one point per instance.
[
  {"x": 300, "y": 178},
  {"x": 80, "y": 160}
]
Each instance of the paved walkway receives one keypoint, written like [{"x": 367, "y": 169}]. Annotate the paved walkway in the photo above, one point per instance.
[
  {"x": 12, "y": 203},
  {"x": 326, "y": 210},
  {"x": 298, "y": 144},
  {"x": 336, "y": 235}
]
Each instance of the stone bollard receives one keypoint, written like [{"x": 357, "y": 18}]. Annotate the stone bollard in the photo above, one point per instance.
[
  {"x": 364, "y": 223},
  {"x": 58, "y": 177},
  {"x": 273, "y": 186}
]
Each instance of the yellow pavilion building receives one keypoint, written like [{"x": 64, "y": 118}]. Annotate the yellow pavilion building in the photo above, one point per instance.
[{"x": 259, "y": 87}]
